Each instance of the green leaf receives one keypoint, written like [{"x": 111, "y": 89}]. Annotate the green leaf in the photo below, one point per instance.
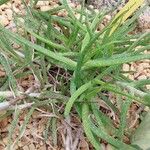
[
  {"x": 87, "y": 128},
  {"x": 3, "y": 2},
  {"x": 141, "y": 137},
  {"x": 102, "y": 134},
  {"x": 124, "y": 109},
  {"x": 114, "y": 61},
  {"x": 75, "y": 95},
  {"x": 5, "y": 63},
  {"x": 70, "y": 63}
]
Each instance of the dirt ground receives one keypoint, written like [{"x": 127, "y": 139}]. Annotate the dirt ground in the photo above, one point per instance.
[{"x": 33, "y": 137}]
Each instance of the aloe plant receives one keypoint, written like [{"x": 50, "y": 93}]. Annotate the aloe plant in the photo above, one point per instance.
[{"x": 88, "y": 56}]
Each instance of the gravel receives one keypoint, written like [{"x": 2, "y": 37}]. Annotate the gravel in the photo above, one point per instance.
[{"x": 140, "y": 70}]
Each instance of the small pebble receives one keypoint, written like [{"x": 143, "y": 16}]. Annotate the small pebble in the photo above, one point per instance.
[
  {"x": 4, "y": 21},
  {"x": 132, "y": 68},
  {"x": 131, "y": 77},
  {"x": 5, "y": 140},
  {"x": 100, "y": 27},
  {"x": 26, "y": 148},
  {"x": 140, "y": 68},
  {"x": 9, "y": 14},
  {"x": 32, "y": 147},
  {"x": 108, "y": 17},
  {"x": 142, "y": 77},
  {"x": 45, "y": 8},
  {"x": 126, "y": 67},
  {"x": 148, "y": 87}
]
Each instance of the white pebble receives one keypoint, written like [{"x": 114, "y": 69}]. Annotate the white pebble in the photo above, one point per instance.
[{"x": 126, "y": 67}]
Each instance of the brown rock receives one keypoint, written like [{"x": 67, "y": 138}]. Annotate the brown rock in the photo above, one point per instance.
[
  {"x": 2, "y": 73},
  {"x": 2, "y": 147},
  {"x": 3, "y": 123}
]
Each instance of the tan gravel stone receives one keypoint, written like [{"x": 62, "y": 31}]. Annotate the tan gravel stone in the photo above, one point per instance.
[
  {"x": 16, "y": 146},
  {"x": 144, "y": 19},
  {"x": 62, "y": 14},
  {"x": 15, "y": 9},
  {"x": 142, "y": 77},
  {"x": 148, "y": 87},
  {"x": 108, "y": 17},
  {"x": 42, "y": 3},
  {"x": 72, "y": 5},
  {"x": 77, "y": 16},
  {"x": 9, "y": 14},
  {"x": 131, "y": 77},
  {"x": 126, "y": 67},
  {"x": 17, "y": 2},
  {"x": 3, "y": 123},
  {"x": 32, "y": 147},
  {"x": 26, "y": 148},
  {"x": 2, "y": 147},
  {"x": 132, "y": 68},
  {"x": 45, "y": 8},
  {"x": 144, "y": 65},
  {"x": 139, "y": 68},
  {"x": 5, "y": 140},
  {"x": 4, "y": 21},
  {"x": 101, "y": 27},
  {"x": 42, "y": 147},
  {"x": 148, "y": 74}
]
